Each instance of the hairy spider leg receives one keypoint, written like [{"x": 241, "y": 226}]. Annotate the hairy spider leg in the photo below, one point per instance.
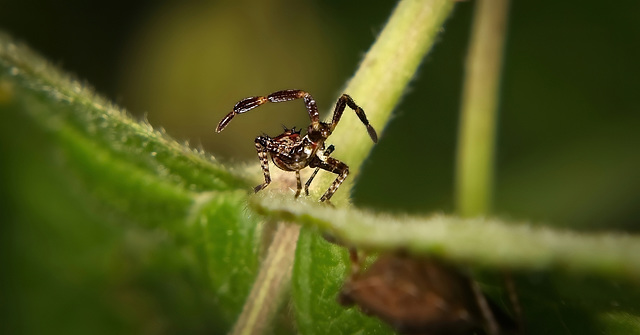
[
  {"x": 242, "y": 106},
  {"x": 250, "y": 103},
  {"x": 261, "y": 147},
  {"x": 315, "y": 172},
  {"x": 264, "y": 146},
  {"x": 346, "y": 100},
  {"x": 309, "y": 102},
  {"x": 335, "y": 166}
]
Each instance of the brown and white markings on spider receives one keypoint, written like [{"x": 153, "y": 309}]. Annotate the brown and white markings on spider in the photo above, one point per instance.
[{"x": 290, "y": 151}]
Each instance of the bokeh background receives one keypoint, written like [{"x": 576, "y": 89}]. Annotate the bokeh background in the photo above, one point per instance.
[{"x": 569, "y": 133}]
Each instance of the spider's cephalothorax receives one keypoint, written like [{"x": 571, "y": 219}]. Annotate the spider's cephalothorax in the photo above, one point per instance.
[{"x": 292, "y": 152}]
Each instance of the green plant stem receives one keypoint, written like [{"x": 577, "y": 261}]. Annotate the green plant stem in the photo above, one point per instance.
[
  {"x": 383, "y": 76},
  {"x": 485, "y": 242},
  {"x": 476, "y": 142},
  {"x": 272, "y": 281}
]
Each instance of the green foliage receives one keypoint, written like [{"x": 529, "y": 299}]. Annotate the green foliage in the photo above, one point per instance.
[
  {"x": 110, "y": 224},
  {"x": 318, "y": 273}
]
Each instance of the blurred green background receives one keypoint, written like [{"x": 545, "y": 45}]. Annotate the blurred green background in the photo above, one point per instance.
[{"x": 569, "y": 133}]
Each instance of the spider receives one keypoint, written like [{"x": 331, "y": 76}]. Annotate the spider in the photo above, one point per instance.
[{"x": 290, "y": 151}]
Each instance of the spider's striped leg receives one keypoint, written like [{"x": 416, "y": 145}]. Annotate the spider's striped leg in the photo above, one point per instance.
[
  {"x": 250, "y": 103},
  {"x": 309, "y": 102},
  {"x": 308, "y": 183},
  {"x": 261, "y": 146},
  {"x": 242, "y": 106},
  {"x": 335, "y": 166},
  {"x": 346, "y": 100},
  {"x": 313, "y": 175}
]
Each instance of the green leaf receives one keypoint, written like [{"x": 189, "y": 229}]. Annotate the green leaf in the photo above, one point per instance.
[
  {"x": 112, "y": 225},
  {"x": 319, "y": 271}
]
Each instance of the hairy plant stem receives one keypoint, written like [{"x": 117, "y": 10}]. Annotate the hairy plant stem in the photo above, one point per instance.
[
  {"x": 378, "y": 85},
  {"x": 481, "y": 241},
  {"x": 383, "y": 76},
  {"x": 272, "y": 281},
  {"x": 476, "y": 139}
]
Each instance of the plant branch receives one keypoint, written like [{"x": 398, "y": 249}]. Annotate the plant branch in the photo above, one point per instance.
[
  {"x": 487, "y": 242},
  {"x": 272, "y": 281},
  {"x": 476, "y": 141},
  {"x": 384, "y": 75}
]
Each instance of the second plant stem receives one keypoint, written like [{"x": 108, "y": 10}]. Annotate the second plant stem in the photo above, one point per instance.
[{"x": 477, "y": 132}]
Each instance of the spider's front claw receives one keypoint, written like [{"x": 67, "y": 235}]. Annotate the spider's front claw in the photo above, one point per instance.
[
  {"x": 225, "y": 121},
  {"x": 372, "y": 133}
]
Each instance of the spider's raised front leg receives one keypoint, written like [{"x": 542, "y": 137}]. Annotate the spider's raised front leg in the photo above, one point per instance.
[
  {"x": 335, "y": 166},
  {"x": 346, "y": 100},
  {"x": 315, "y": 172},
  {"x": 250, "y": 103}
]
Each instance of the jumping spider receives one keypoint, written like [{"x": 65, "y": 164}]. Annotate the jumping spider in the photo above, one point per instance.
[{"x": 292, "y": 152}]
